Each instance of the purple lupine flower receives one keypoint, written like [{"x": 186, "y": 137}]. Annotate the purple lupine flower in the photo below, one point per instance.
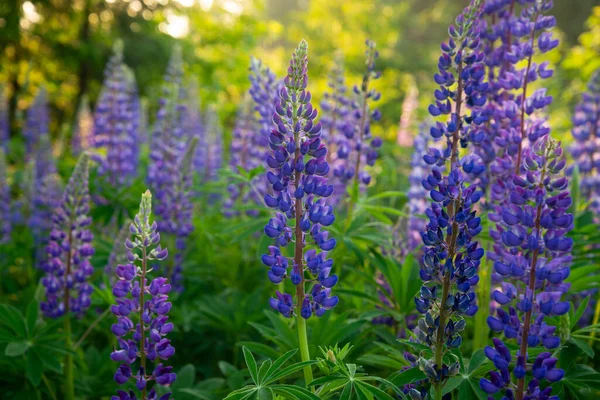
[
  {"x": 147, "y": 303},
  {"x": 510, "y": 43},
  {"x": 451, "y": 256},
  {"x": 338, "y": 130},
  {"x": 536, "y": 261},
  {"x": 69, "y": 250},
  {"x": 169, "y": 173},
  {"x": 586, "y": 149},
  {"x": 245, "y": 155},
  {"x": 5, "y": 211},
  {"x": 4, "y": 121},
  {"x": 168, "y": 144},
  {"x": 264, "y": 91},
  {"x": 82, "y": 129},
  {"x": 363, "y": 147},
  {"x": 297, "y": 176},
  {"x": 116, "y": 122},
  {"x": 37, "y": 124}
]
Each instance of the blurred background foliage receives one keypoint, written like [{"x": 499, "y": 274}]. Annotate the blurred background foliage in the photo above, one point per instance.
[{"x": 64, "y": 45}]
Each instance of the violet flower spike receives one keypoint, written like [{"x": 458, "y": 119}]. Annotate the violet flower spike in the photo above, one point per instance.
[
  {"x": 451, "y": 256},
  {"x": 116, "y": 122},
  {"x": 146, "y": 303},
  {"x": 69, "y": 250},
  {"x": 5, "y": 203}
]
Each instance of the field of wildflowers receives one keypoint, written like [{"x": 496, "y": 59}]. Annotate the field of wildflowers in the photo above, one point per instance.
[{"x": 283, "y": 239}]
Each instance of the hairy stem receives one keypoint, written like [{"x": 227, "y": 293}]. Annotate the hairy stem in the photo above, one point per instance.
[{"x": 69, "y": 383}]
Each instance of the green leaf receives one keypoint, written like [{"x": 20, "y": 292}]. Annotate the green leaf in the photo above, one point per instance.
[
  {"x": 347, "y": 392},
  {"x": 586, "y": 348},
  {"x": 378, "y": 393},
  {"x": 452, "y": 384},
  {"x": 476, "y": 360},
  {"x": 262, "y": 371},
  {"x": 251, "y": 363},
  {"x": 294, "y": 391},
  {"x": 289, "y": 370},
  {"x": 50, "y": 361},
  {"x": 242, "y": 394},
  {"x": 405, "y": 377},
  {"x": 186, "y": 377},
  {"x": 579, "y": 313},
  {"x": 280, "y": 361},
  {"x": 15, "y": 349},
  {"x": 12, "y": 319},
  {"x": 34, "y": 368},
  {"x": 265, "y": 393},
  {"x": 31, "y": 316}
]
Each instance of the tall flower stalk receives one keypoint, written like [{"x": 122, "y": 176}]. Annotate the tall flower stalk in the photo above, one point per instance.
[
  {"x": 299, "y": 192},
  {"x": 143, "y": 343},
  {"x": 116, "y": 122},
  {"x": 68, "y": 265},
  {"x": 451, "y": 256},
  {"x": 82, "y": 129},
  {"x": 364, "y": 144},
  {"x": 586, "y": 149},
  {"x": 4, "y": 121}
]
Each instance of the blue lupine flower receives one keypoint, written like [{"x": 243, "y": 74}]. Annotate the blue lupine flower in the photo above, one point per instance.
[
  {"x": 116, "y": 122},
  {"x": 297, "y": 173},
  {"x": 451, "y": 256},
  {"x": 147, "y": 302},
  {"x": 69, "y": 250},
  {"x": 585, "y": 150},
  {"x": 4, "y": 121}
]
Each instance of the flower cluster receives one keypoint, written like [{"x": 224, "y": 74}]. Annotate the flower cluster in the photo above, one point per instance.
[
  {"x": 147, "y": 302},
  {"x": 533, "y": 229},
  {"x": 116, "y": 121},
  {"x": 264, "y": 90},
  {"x": 451, "y": 256},
  {"x": 586, "y": 132},
  {"x": 361, "y": 145},
  {"x": 510, "y": 43},
  {"x": 338, "y": 129},
  {"x": 244, "y": 155},
  {"x": 297, "y": 176},
  {"x": 69, "y": 250},
  {"x": 82, "y": 129},
  {"x": 169, "y": 173},
  {"x": 37, "y": 123},
  {"x": 5, "y": 212}
]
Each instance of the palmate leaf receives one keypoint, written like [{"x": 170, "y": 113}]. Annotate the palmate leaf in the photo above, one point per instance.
[
  {"x": 294, "y": 392},
  {"x": 251, "y": 364}
]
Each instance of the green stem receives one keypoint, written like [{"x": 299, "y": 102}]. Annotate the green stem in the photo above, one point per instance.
[
  {"x": 303, "y": 345},
  {"x": 69, "y": 384}
]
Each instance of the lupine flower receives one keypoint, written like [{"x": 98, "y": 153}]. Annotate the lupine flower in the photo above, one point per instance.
[
  {"x": 586, "y": 132},
  {"x": 297, "y": 176},
  {"x": 142, "y": 346},
  {"x": 82, "y": 129},
  {"x": 244, "y": 154},
  {"x": 509, "y": 44},
  {"x": 363, "y": 146},
  {"x": 338, "y": 130},
  {"x": 451, "y": 256},
  {"x": 5, "y": 212},
  {"x": 116, "y": 122},
  {"x": 169, "y": 172},
  {"x": 264, "y": 91},
  {"x": 404, "y": 137},
  {"x": 4, "y": 121},
  {"x": 37, "y": 123},
  {"x": 536, "y": 261},
  {"x": 69, "y": 250}
]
